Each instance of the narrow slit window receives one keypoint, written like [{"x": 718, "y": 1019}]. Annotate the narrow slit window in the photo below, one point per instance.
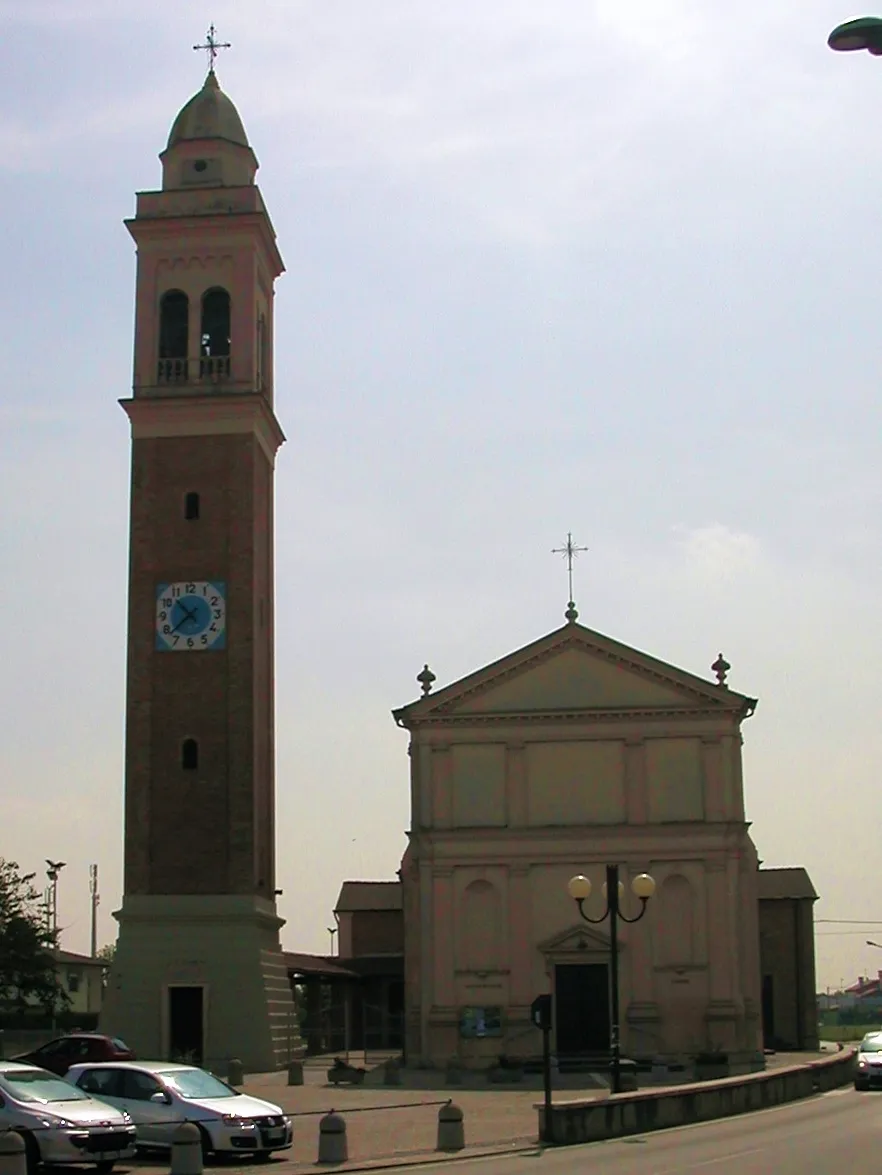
[
  {"x": 191, "y": 506},
  {"x": 190, "y": 754}
]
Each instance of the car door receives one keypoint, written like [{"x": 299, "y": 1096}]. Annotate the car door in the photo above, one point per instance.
[{"x": 150, "y": 1107}]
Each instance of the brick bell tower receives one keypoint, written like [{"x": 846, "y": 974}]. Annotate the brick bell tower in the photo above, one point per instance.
[{"x": 198, "y": 971}]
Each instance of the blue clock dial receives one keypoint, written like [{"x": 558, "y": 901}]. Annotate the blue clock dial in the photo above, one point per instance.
[{"x": 191, "y": 616}]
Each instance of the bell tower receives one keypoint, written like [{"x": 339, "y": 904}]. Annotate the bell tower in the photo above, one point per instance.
[{"x": 198, "y": 971}]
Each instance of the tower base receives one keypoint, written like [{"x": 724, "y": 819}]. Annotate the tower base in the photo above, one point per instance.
[{"x": 202, "y": 979}]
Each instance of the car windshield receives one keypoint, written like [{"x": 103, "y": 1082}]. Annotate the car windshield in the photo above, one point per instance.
[
  {"x": 873, "y": 1045},
  {"x": 196, "y": 1083},
  {"x": 36, "y": 1085}
]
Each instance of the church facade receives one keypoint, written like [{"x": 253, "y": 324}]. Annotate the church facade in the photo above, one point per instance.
[
  {"x": 569, "y": 754},
  {"x": 198, "y": 971}
]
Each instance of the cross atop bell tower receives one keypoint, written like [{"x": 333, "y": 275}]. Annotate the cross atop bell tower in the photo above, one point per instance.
[
  {"x": 199, "y": 913},
  {"x": 212, "y": 46}
]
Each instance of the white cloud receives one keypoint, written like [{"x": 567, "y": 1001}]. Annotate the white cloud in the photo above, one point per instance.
[{"x": 717, "y": 554}]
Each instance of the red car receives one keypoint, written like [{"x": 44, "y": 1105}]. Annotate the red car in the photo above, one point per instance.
[{"x": 76, "y": 1048}]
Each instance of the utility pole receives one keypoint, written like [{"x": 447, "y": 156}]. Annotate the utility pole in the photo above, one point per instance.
[{"x": 96, "y": 900}]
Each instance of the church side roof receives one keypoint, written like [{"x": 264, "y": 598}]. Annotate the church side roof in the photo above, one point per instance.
[
  {"x": 362, "y": 896},
  {"x": 785, "y": 883}
]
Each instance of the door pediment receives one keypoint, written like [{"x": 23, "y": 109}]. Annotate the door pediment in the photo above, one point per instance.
[{"x": 581, "y": 939}]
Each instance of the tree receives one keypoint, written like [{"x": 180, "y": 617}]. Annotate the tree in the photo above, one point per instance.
[
  {"x": 28, "y": 975},
  {"x": 107, "y": 952},
  {"x": 106, "y": 955}
]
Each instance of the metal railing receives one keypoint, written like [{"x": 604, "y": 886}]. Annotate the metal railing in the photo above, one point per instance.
[{"x": 212, "y": 368}]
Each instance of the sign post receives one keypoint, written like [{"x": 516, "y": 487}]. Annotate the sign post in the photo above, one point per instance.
[{"x": 541, "y": 1015}]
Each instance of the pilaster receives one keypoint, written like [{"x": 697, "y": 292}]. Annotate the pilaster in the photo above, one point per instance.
[
  {"x": 516, "y": 784},
  {"x": 636, "y": 799}
]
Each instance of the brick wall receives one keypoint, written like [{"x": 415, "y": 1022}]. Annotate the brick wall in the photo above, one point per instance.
[
  {"x": 208, "y": 830},
  {"x": 377, "y": 932}
]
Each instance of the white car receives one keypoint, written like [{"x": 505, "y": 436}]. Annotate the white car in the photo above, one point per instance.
[
  {"x": 868, "y": 1063},
  {"x": 60, "y": 1124},
  {"x": 159, "y": 1095}
]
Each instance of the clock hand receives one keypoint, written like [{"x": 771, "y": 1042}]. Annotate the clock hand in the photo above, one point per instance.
[{"x": 189, "y": 615}]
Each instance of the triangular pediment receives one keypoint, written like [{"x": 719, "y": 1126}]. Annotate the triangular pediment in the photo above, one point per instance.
[
  {"x": 577, "y": 939},
  {"x": 576, "y": 670}
]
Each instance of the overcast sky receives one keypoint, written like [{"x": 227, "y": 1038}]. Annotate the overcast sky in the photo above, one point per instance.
[{"x": 578, "y": 265}]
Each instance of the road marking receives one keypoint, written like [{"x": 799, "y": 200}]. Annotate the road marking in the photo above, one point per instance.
[{"x": 756, "y": 1150}]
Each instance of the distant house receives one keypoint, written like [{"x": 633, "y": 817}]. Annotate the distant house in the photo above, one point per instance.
[
  {"x": 867, "y": 990},
  {"x": 82, "y": 979}
]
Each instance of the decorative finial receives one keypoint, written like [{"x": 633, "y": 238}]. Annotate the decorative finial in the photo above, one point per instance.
[
  {"x": 212, "y": 47},
  {"x": 721, "y": 667},
  {"x": 570, "y": 551},
  {"x": 425, "y": 679}
]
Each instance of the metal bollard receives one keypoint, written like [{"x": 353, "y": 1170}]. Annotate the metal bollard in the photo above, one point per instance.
[
  {"x": 186, "y": 1151},
  {"x": 451, "y": 1132},
  {"x": 235, "y": 1073},
  {"x": 295, "y": 1073},
  {"x": 332, "y": 1139},
  {"x": 12, "y": 1154}
]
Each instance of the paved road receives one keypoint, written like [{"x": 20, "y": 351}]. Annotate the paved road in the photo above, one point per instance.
[{"x": 833, "y": 1134}]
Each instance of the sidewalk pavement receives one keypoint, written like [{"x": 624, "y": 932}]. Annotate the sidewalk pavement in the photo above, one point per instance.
[{"x": 397, "y": 1125}]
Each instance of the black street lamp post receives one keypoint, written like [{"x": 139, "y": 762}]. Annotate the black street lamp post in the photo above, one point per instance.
[{"x": 643, "y": 887}]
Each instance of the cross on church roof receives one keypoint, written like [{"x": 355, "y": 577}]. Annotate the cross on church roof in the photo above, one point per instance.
[
  {"x": 570, "y": 551},
  {"x": 212, "y": 46}
]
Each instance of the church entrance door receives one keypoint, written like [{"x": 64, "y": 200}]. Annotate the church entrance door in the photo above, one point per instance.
[{"x": 581, "y": 1008}]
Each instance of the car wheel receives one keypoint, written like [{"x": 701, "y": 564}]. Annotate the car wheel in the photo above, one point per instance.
[
  {"x": 861, "y": 1087},
  {"x": 105, "y": 1166},
  {"x": 32, "y": 1154}
]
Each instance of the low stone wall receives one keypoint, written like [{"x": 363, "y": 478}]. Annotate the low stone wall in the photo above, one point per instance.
[{"x": 654, "y": 1109}]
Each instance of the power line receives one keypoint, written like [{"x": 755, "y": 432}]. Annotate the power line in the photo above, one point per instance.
[{"x": 849, "y": 921}]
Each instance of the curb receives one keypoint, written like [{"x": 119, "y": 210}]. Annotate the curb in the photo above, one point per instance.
[{"x": 427, "y": 1158}]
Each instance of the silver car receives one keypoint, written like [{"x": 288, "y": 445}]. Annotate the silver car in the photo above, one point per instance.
[
  {"x": 159, "y": 1095},
  {"x": 61, "y": 1124},
  {"x": 868, "y": 1063}
]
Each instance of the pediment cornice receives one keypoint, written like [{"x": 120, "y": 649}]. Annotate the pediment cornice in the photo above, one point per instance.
[{"x": 456, "y": 703}]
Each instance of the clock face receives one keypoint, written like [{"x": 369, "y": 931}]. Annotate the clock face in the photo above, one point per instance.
[{"x": 191, "y": 616}]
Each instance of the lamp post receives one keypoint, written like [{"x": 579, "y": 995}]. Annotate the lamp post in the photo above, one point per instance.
[
  {"x": 643, "y": 887},
  {"x": 52, "y": 872},
  {"x": 863, "y": 33}
]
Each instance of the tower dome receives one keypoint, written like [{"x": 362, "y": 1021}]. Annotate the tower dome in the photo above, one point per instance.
[
  {"x": 210, "y": 114},
  {"x": 207, "y": 145}
]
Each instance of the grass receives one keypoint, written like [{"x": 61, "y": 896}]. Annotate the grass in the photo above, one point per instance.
[{"x": 845, "y": 1032}]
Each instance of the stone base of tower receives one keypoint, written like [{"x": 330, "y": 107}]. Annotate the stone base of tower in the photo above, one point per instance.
[{"x": 216, "y": 959}]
